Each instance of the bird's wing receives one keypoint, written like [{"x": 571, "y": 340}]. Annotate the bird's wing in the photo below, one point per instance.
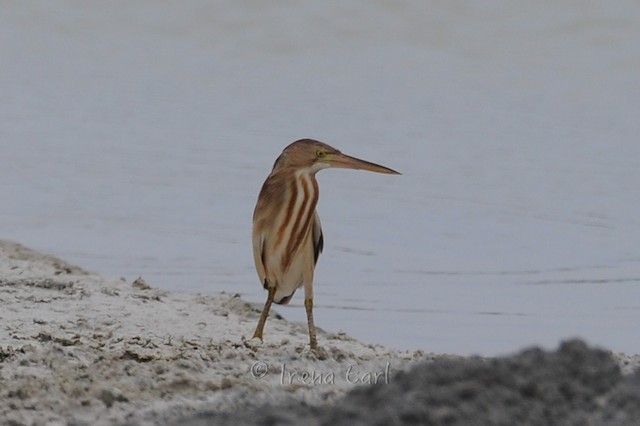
[
  {"x": 258, "y": 257},
  {"x": 318, "y": 238}
]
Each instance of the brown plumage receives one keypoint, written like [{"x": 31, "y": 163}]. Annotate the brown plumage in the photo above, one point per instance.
[{"x": 287, "y": 236}]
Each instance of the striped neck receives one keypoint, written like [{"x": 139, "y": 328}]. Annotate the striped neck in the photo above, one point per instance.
[{"x": 297, "y": 213}]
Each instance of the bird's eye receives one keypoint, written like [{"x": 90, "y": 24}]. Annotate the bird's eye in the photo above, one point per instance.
[{"x": 321, "y": 154}]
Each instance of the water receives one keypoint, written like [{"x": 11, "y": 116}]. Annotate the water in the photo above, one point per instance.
[{"x": 135, "y": 139}]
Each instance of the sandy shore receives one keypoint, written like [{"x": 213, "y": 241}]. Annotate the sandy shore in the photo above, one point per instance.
[
  {"x": 74, "y": 346},
  {"x": 77, "y": 349}
]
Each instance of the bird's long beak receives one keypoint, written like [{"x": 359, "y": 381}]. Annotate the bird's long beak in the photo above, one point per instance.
[{"x": 347, "y": 162}]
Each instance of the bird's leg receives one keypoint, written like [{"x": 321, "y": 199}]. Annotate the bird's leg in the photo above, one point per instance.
[
  {"x": 308, "y": 305},
  {"x": 265, "y": 313}
]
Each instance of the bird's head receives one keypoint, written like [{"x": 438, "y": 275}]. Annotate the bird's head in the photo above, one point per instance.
[{"x": 315, "y": 155}]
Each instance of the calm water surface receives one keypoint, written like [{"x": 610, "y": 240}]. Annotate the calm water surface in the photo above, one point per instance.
[{"x": 134, "y": 142}]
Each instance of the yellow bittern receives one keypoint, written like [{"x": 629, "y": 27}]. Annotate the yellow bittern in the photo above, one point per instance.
[{"x": 287, "y": 237}]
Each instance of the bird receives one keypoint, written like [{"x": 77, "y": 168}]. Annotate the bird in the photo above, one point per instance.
[{"x": 287, "y": 236}]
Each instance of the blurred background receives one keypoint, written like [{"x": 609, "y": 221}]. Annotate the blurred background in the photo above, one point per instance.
[{"x": 135, "y": 136}]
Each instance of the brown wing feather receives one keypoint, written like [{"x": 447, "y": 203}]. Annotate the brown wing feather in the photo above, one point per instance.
[
  {"x": 318, "y": 238},
  {"x": 258, "y": 257}
]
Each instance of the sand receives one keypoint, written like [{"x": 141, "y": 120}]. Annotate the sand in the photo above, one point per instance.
[
  {"x": 575, "y": 385},
  {"x": 78, "y": 349}
]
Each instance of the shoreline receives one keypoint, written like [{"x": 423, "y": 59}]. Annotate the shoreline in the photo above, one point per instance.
[
  {"x": 79, "y": 349},
  {"x": 75, "y": 346}
]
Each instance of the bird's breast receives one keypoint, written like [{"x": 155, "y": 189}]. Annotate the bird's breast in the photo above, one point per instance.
[{"x": 295, "y": 218}]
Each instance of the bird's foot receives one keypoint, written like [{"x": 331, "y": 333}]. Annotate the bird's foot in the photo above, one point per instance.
[
  {"x": 314, "y": 352},
  {"x": 254, "y": 343}
]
